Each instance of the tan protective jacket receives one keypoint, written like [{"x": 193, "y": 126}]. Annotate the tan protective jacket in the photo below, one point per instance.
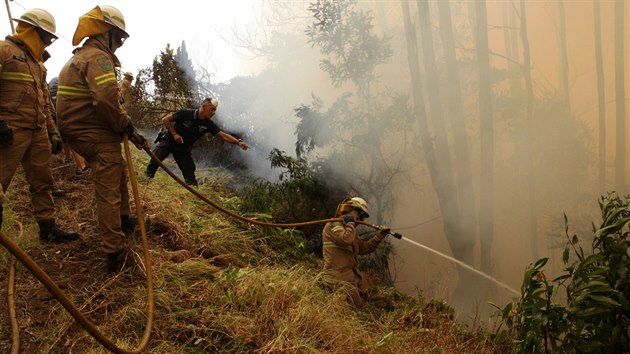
[
  {"x": 24, "y": 99},
  {"x": 341, "y": 248},
  {"x": 128, "y": 92},
  {"x": 88, "y": 101}
]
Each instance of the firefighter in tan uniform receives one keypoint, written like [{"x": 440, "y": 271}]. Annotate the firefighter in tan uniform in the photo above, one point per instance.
[
  {"x": 28, "y": 134},
  {"x": 342, "y": 246},
  {"x": 91, "y": 117},
  {"x": 128, "y": 92}
]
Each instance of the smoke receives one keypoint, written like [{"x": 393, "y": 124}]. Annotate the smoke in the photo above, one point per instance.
[{"x": 262, "y": 107}]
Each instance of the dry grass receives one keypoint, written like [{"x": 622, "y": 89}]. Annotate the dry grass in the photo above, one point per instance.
[{"x": 220, "y": 285}]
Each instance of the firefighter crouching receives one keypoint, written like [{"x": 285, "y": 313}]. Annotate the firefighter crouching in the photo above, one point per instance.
[
  {"x": 28, "y": 134},
  {"x": 91, "y": 117},
  {"x": 341, "y": 246}
]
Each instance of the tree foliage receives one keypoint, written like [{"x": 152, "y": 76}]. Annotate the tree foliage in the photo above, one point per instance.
[
  {"x": 345, "y": 34},
  {"x": 353, "y": 135},
  {"x": 300, "y": 195},
  {"x": 165, "y": 86},
  {"x": 172, "y": 83},
  {"x": 596, "y": 316}
]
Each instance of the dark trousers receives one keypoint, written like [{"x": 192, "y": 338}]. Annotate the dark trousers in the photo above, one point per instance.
[{"x": 182, "y": 156}]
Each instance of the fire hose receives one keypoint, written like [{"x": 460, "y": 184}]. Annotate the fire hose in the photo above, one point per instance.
[
  {"x": 52, "y": 287},
  {"x": 192, "y": 190},
  {"x": 86, "y": 323}
]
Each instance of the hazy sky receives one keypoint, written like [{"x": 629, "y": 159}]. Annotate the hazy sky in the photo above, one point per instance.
[{"x": 151, "y": 25}]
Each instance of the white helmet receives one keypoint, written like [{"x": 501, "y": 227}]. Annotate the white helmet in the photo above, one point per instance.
[
  {"x": 360, "y": 204},
  {"x": 114, "y": 17},
  {"x": 39, "y": 18}
]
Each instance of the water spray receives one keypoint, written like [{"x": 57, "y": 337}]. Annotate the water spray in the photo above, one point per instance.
[{"x": 466, "y": 266}]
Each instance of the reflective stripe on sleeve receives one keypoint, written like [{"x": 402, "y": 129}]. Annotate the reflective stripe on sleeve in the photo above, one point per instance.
[
  {"x": 73, "y": 91},
  {"x": 105, "y": 78},
  {"x": 16, "y": 76},
  {"x": 337, "y": 228}
]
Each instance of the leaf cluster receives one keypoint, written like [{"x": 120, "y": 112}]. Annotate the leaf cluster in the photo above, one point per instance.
[
  {"x": 595, "y": 317},
  {"x": 345, "y": 33},
  {"x": 298, "y": 193}
]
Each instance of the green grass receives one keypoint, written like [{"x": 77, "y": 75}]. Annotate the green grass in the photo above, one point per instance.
[{"x": 220, "y": 286}]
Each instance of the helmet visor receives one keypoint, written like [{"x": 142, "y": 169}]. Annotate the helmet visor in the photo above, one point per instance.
[{"x": 47, "y": 37}]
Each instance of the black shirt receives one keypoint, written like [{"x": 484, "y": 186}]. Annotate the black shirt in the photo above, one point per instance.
[{"x": 186, "y": 124}]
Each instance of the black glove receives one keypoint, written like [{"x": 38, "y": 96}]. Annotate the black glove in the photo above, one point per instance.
[
  {"x": 56, "y": 144},
  {"x": 6, "y": 134},
  {"x": 136, "y": 138},
  {"x": 130, "y": 130},
  {"x": 348, "y": 219}
]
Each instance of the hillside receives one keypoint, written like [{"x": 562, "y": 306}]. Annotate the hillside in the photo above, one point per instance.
[{"x": 220, "y": 285}]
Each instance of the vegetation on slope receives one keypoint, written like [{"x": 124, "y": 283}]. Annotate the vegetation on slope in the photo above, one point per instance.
[{"x": 220, "y": 285}]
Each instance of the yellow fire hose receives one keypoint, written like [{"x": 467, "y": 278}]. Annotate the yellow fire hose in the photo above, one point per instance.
[
  {"x": 146, "y": 148},
  {"x": 89, "y": 326},
  {"x": 76, "y": 313}
]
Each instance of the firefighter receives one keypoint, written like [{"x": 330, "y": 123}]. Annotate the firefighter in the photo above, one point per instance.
[
  {"x": 183, "y": 128},
  {"x": 28, "y": 134},
  {"x": 67, "y": 149},
  {"x": 91, "y": 117},
  {"x": 128, "y": 93},
  {"x": 341, "y": 246}
]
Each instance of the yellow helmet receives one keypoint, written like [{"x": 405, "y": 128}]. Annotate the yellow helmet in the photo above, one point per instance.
[
  {"x": 39, "y": 18},
  {"x": 360, "y": 204},
  {"x": 114, "y": 17},
  {"x": 355, "y": 203}
]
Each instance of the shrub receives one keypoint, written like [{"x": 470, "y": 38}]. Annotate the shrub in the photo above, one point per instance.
[{"x": 595, "y": 317}]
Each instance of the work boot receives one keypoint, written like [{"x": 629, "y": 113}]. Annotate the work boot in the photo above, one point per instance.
[
  {"x": 191, "y": 182},
  {"x": 58, "y": 192},
  {"x": 128, "y": 223},
  {"x": 49, "y": 232},
  {"x": 113, "y": 262}
]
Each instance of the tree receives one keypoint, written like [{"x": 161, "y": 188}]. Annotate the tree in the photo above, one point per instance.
[
  {"x": 601, "y": 95},
  {"x": 564, "y": 60},
  {"x": 165, "y": 87},
  {"x": 172, "y": 86},
  {"x": 345, "y": 36},
  {"x": 185, "y": 64},
  {"x": 465, "y": 191},
  {"x": 529, "y": 109},
  {"x": 365, "y": 129},
  {"x": 620, "y": 97},
  {"x": 486, "y": 116}
]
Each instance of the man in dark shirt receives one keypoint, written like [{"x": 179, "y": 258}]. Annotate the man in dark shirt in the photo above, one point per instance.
[{"x": 183, "y": 128}]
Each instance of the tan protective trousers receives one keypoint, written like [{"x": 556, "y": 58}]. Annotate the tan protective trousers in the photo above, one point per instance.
[
  {"x": 109, "y": 175},
  {"x": 30, "y": 148}
]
